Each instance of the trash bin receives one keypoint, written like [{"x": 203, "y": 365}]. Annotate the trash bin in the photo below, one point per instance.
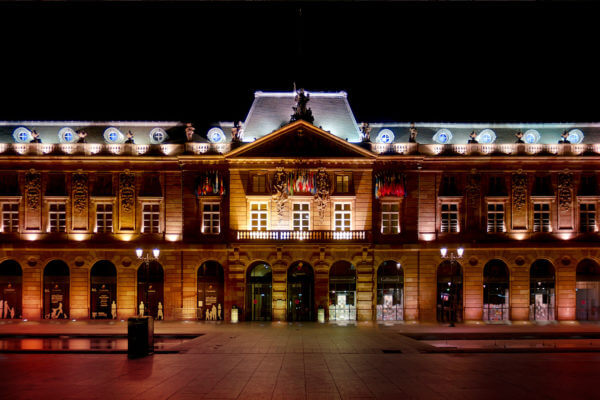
[{"x": 140, "y": 336}]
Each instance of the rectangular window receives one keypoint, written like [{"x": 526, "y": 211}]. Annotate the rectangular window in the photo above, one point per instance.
[
  {"x": 497, "y": 186},
  {"x": 57, "y": 217},
  {"x": 390, "y": 218},
  {"x": 211, "y": 218},
  {"x": 342, "y": 216},
  {"x": 151, "y": 218},
  {"x": 449, "y": 218},
  {"x": 104, "y": 218},
  {"x": 587, "y": 217},
  {"x": 342, "y": 183},
  {"x": 541, "y": 217},
  {"x": 259, "y": 183},
  {"x": 301, "y": 216},
  {"x": 10, "y": 217},
  {"x": 258, "y": 216},
  {"x": 495, "y": 217}
]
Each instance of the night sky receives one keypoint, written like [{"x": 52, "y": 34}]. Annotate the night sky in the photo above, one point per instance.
[{"x": 202, "y": 62}]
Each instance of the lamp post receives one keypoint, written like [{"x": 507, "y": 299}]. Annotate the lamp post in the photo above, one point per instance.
[
  {"x": 146, "y": 258},
  {"x": 452, "y": 259}
]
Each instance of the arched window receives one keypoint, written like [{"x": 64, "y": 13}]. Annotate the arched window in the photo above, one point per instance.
[
  {"x": 342, "y": 292},
  {"x": 56, "y": 290},
  {"x": 11, "y": 294},
  {"x": 495, "y": 291},
  {"x": 449, "y": 292},
  {"x": 259, "y": 285},
  {"x": 150, "y": 290},
  {"x": 103, "y": 290},
  {"x": 542, "y": 294},
  {"x": 211, "y": 294},
  {"x": 300, "y": 292},
  {"x": 390, "y": 291},
  {"x": 587, "y": 290}
]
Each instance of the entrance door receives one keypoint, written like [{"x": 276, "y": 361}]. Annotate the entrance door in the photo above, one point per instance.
[
  {"x": 10, "y": 290},
  {"x": 342, "y": 292},
  {"x": 449, "y": 292},
  {"x": 150, "y": 290},
  {"x": 259, "y": 287},
  {"x": 587, "y": 289},
  {"x": 56, "y": 290},
  {"x": 390, "y": 291},
  {"x": 103, "y": 290},
  {"x": 300, "y": 288},
  {"x": 542, "y": 293},
  {"x": 210, "y": 291}
]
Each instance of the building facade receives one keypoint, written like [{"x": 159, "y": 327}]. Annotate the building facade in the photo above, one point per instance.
[{"x": 297, "y": 210}]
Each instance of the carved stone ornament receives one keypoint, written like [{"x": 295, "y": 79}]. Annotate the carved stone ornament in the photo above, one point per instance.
[
  {"x": 565, "y": 186},
  {"x": 520, "y": 261},
  {"x": 473, "y": 261},
  {"x": 473, "y": 189},
  {"x": 127, "y": 190},
  {"x": 279, "y": 190},
  {"x": 323, "y": 191},
  {"x": 80, "y": 192},
  {"x": 33, "y": 189},
  {"x": 519, "y": 190}
]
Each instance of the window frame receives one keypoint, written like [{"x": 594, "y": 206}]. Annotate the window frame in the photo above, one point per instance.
[
  {"x": 251, "y": 183},
  {"x": 112, "y": 218},
  {"x": 384, "y": 203},
  {"x": 542, "y": 201},
  {"x": 496, "y": 212},
  {"x": 349, "y": 188},
  {"x": 293, "y": 212},
  {"x": 149, "y": 202},
  {"x": 587, "y": 201},
  {"x": 266, "y": 211},
  {"x": 10, "y": 201},
  {"x": 450, "y": 201},
  {"x": 51, "y": 201},
  {"x": 203, "y": 214},
  {"x": 334, "y": 212}
]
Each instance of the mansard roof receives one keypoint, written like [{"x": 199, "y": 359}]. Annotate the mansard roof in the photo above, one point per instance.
[{"x": 300, "y": 139}]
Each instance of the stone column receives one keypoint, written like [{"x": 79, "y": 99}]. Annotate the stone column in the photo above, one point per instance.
[
  {"x": 428, "y": 286},
  {"x": 519, "y": 290},
  {"x": 32, "y": 291},
  {"x": 126, "y": 292},
  {"x": 565, "y": 289},
  {"x": 235, "y": 289},
  {"x": 279, "y": 292},
  {"x": 364, "y": 291},
  {"x": 80, "y": 292},
  {"x": 473, "y": 292},
  {"x": 411, "y": 287},
  {"x": 322, "y": 287}
]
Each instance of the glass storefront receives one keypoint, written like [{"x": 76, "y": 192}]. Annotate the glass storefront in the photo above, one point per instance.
[
  {"x": 390, "y": 291},
  {"x": 56, "y": 290},
  {"x": 103, "y": 290},
  {"x": 259, "y": 284},
  {"x": 542, "y": 293},
  {"x": 11, "y": 300},
  {"x": 300, "y": 289},
  {"x": 587, "y": 291},
  {"x": 449, "y": 292},
  {"x": 495, "y": 291},
  {"x": 150, "y": 299},
  {"x": 211, "y": 293},
  {"x": 342, "y": 292}
]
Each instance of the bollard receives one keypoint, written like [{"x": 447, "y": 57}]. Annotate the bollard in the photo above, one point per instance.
[
  {"x": 234, "y": 315},
  {"x": 140, "y": 336},
  {"x": 321, "y": 315}
]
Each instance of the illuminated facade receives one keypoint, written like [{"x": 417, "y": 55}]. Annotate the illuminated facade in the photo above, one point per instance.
[{"x": 283, "y": 219}]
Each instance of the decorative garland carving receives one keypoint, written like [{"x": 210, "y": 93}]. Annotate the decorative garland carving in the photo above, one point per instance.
[
  {"x": 280, "y": 190},
  {"x": 519, "y": 190},
  {"x": 473, "y": 189},
  {"x": 323, "y": 191},
  {"x": 33, "y": 189},
  {"x": 565, "y": 186},
  {"x": 80, "y": 192},
  {"x": 127, "y": 190}
]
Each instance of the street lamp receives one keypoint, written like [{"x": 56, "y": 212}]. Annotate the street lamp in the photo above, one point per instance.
[
  {"x": 146, "y": 258},
  {"x": 452, "y": 288}
]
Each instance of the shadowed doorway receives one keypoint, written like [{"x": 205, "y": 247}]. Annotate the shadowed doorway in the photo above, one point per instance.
[{"x": 300, "y": 289}]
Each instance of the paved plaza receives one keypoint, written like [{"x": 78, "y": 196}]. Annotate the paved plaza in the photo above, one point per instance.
[{"x": 362, "y": 360}]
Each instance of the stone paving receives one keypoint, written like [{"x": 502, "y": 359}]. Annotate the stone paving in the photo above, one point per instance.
[{"x": 297, "y": 361}]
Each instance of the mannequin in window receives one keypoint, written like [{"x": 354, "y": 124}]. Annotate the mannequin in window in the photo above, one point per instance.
[
  {"x": 82, "y": 134},
  {"x": 129, "y": 138},
  {"x": 519, "y": 136},
  {"x": 564, "y": 138},
  {"x": 413, "y": 134},
  {"x": 473, "y": 138},
  {"x": 36, "y": 137}
]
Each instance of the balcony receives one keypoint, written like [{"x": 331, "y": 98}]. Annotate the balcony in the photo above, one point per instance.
[
  {"x": 480, "y": 149},
  {"x": 301, "y": 236}
]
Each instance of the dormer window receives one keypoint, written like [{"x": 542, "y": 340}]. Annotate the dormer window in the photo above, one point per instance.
[
  {"x": 259, "y": 183},
  {"x": 22, "y": 135},
  {"x": 66, "y": 135},
  {"x": 113, "y": 135},
  {"x": 157, "y": 135},
  {"x": 342, "y": 184}
]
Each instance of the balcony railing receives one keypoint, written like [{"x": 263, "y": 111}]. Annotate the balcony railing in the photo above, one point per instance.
[
  {"x": 118, "y": 149},
  {"x": 501, "y": 149},
  {"x": 309, "y": 236}
]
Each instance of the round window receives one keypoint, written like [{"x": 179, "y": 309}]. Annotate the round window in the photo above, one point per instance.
[
  {"x": 531, "y": 136},
  {"x": 22, "y": 135},
  {"x": 158, "y": 135},
  {"x": 443, "y": 136},
  {"x": 486, "y": 136},
  {"x": 215, "y": 135},
  {"x": 113, "y": 135},
  {"x": 575, "y": 136},
  {"x": 385, "y": 136},
  {"x": 66, "y": 135}
]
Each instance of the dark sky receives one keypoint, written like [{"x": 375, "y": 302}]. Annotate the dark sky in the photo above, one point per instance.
[{"x": 424, "y": 61}]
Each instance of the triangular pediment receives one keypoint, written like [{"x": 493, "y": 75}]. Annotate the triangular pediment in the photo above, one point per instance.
[{"x": 300, "y": 139}]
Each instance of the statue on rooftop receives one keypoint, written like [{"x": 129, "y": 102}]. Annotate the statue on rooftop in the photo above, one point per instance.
[
  {"x": 519, "y": 136},
  {"x": 82, "y": 134},
  {"x": 237, "y": 132},
  {"x": 35, "y": 136},
  {"x": 413, "y": 133},
  {"x": 129, "y": 138},
  {"x": 365, "y": 132},
  {"x": 301, "y": 110}
]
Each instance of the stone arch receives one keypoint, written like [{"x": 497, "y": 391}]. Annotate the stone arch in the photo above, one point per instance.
[
  {"x": 150, "y": 289},
  {"x": 259, "y": 291},
  {"x": 496, "y": 289},
  {"x": 449, "y": 294},
  {"x": 11, "y": 289},
  {"x": 56, "y": 287},
  {"x": 390, "y": 291},
  {"x": 210, "y": 285},
  {"x": 300, "y": 279},
  {"x": 542, "y": 286},
  {"x": 342, "y": 291},
  {"x": 103, "y": 290},
  {"x": 587, "y": 290}
]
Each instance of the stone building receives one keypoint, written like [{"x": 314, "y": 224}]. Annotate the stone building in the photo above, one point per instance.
[{"x": 296, "y": 210}]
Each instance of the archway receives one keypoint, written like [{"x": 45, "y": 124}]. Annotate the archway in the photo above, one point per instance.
[
  {"x": 449, "y": 292},
  {"x": 300, "y": 289},
  {"x": 342, "y": 292},
  {"x": 11, "y": 293},
  {"x": 390, "y": 291},
  {"x": 56, "y": 290},
  {"x": 211, "y": 293},
  {"x": 495, "y": 291},
  {"x": 542, "y": 297},
  {"x": 587, "y": 289},
  {"x": 259, "y": 283},
  {"x": 150, "y": 279},
  {"x": 103, "y": 290}
]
